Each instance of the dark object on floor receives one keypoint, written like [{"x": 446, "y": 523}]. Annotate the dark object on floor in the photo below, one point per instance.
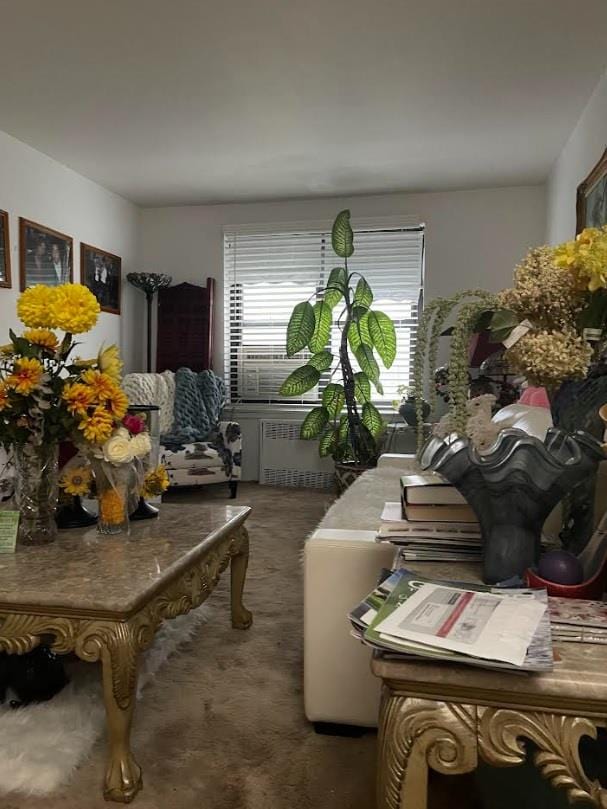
[
  {"x": 144, "y": 511},
  {"x": 74, "y": 515},
  {"x": 334, "y": 729},
  {"x": 233, "y": 484},
  {"x": 33, "y": 677}
]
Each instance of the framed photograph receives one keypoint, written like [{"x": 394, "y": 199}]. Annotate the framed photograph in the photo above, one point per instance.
[
  {"x": 45, "y": 255},
  {"x": 5, "y": 252},
  {"x": 591, "y": 203},
  {"x": 100, "y": 271}
]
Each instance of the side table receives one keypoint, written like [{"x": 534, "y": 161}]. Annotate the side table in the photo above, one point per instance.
[
  {"x": 103, "y": 598},
  {"x": 444, "y": 716}
]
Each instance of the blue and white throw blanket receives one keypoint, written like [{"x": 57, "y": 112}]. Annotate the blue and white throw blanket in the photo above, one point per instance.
[{"x": 199, "y": 399}]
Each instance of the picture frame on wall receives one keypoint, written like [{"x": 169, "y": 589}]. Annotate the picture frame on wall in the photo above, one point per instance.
[
  {"x": 45, "y": 255},
  {"x": 591, "y": 202},
  {"x": 5, "y": 252},
  {"x": 101, "y": 272}
]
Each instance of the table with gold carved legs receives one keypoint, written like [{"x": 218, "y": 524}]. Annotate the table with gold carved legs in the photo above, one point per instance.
[
  {"x": 445, "y": 717},
  {"x": 104, "y": 598}
]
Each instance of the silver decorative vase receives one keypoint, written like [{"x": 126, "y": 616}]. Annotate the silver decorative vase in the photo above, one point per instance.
[
  {"x": 36, "y": 492},
  {"x": 513, "y": 488}
]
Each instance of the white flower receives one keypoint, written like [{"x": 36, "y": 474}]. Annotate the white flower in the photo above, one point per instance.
[
  {"x": 141, "y": 445},
  {"x": 117, "y": 449}
]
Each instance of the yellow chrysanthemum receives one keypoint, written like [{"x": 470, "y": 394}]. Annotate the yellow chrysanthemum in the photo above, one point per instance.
[
  {"x": 112, "y": 507},
  {"x": 76, "y": 481},
  {"x": 42, "y": 337},
  {"x": 78, "y": 398},
  {"x": 74, "y": 308},
  {"x": 4, "y": 402},
  {"x": 27, "y": 373},
  {"x": 586, "y": 256},
  {"x": 97, "y": 427},
  {"x": 155, "y": 482},
  {"x": 102, "y": 385},
  {"x": 109, "y": 362},
  {"x": 35, "y": 306},
  {"x": 118, "y": 403}
]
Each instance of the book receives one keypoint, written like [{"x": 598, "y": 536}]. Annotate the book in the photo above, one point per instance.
[
  {"x": 440, "y": 513},
  {"x": 430, "y": 488},
  {"x": 392, "y": 521},
  {"x": 538, "y": 656}
]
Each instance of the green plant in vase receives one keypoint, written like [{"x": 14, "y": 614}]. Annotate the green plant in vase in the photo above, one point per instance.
[{"x": 346, "y": 422}]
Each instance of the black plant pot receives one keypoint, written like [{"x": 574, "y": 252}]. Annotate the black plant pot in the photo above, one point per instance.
[
  {"x": 144, "y": 511},
  {"x": 74, "y": 515},
  {"x": 513, "y": 488},
  {"x": 408, "y": 411}
]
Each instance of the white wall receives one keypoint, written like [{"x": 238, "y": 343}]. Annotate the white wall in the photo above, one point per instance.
[
  {"x": 579, "y": 155},
  {"x": 36, "y": 187},
  {"x": 474, "y": 239}
]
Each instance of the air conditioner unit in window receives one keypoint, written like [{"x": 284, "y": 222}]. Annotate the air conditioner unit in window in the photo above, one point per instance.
[{"x": 261, "y": 372}]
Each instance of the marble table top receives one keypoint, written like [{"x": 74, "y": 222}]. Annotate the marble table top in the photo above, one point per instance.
[{"x": 85, "y": 571}]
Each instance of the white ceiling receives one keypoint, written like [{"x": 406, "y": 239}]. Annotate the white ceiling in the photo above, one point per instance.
[{"x": 192, "y": 101}]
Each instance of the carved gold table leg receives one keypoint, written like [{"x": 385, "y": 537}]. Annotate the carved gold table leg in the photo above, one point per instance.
[
  {"x": 416, "y": 734},
  {"x": 241, "y": 616},
  {"x": 557, "y": 738}
]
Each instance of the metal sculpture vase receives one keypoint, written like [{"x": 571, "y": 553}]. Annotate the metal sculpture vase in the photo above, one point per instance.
[{"x": 513, "y": 488}]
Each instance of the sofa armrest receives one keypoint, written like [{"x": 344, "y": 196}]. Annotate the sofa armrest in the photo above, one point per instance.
[{"x": 408, "y": 463}]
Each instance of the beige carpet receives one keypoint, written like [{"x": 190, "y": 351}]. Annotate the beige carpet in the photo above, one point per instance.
[{"x": 223, "y": 725}]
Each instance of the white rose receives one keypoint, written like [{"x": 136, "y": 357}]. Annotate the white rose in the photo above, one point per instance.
[
  {"x": 117, "y": 449},
  {"x": 141, "y": 445}
]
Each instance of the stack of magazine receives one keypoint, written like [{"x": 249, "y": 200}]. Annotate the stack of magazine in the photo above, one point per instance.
[
  {"x": 578, "y": 621},
  {"x": 429, "y": 541},
  {"x": 411, "y": 616}
]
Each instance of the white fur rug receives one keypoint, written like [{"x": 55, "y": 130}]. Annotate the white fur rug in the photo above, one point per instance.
[
  {"x": 41, "y": 745},
  {"x": 360, "y": 506}
]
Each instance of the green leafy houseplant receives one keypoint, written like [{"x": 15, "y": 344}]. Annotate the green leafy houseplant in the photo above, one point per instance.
[{"x": 347, "y": 423}]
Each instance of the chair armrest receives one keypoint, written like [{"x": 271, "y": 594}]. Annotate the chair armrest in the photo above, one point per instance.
[{"x": 230, "y": 436}]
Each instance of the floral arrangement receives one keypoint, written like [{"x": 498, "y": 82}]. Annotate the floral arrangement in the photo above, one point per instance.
[
  {"x": 552, "y": 321},
  {"x": 155, "y": 482},
  {"x": 76, "y": 480}
]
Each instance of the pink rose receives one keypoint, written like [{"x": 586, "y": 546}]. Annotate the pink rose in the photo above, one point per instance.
[{"x": 134, "y": 424}]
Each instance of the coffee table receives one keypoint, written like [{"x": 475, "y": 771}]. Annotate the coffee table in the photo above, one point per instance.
[{"x": 104, "y": 597}]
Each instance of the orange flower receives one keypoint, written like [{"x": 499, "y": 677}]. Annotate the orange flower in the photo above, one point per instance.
[
  {"x": 112, "y": 507},
  {"x": 3, "y": 396},
  {"x": 118, "y": 403},
  {"x": 98, "y": 427},
  {"x": 78, "y": 398},
  {"x": 102, "y": 385},
  {"x": 27, "y": 373}
]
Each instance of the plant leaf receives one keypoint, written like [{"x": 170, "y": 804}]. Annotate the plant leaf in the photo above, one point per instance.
[
  {"x": 322, "y": 327},
  {"x": 368, "y": 364},
  {"x": 372, "y": 419},
  {"x": 300, "y": 380},
  {"x": 342, "y": 237},
  {"x": 336, "y": 286},
  {"x": 344, "y": 428},
  {"x": 362, "y": 388},
  {"x": 321, "y": 361},
  {"x": 333, "y": 398},
  {"x": 358, "y": 333},
  {"x": 383, "y": 336},
  {"x": 300, "y": 328},
  {"x": 314, "y": 423},
  {"x": 363, "y": 296},
  {"x": 328, "y": 442}
]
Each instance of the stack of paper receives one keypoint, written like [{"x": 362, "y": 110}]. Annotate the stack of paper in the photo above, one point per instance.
[
  {"x": 429, "y": 541},
  {"x": 408, "y": 615},
  {"x": 578, "y": 621}
]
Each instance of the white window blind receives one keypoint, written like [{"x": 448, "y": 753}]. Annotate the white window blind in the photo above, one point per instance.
[{"x": 266, "y": 274}]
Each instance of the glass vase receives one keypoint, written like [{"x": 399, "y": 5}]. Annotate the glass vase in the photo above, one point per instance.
[
  {"x": 114, "y": 484},
  {"x": 36, "y": 492},
  {"x": 513, "y": 488}
]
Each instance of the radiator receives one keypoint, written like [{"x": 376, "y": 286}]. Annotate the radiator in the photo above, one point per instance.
[{"x": 286, "y": 460}]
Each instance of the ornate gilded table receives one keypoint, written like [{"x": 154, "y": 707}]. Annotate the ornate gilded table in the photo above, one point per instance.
[
  {"x": 445, "y": 716},
  {"x": 104, "y": 598}
]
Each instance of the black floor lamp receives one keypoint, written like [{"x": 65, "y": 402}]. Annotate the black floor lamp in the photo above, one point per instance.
[{"x": 150, "y": 283}]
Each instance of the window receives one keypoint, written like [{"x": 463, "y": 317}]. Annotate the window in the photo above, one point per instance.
[{"x": 267, "y": 273}]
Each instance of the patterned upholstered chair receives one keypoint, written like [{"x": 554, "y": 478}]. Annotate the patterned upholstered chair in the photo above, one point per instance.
[{"x": 215, "y": 459}]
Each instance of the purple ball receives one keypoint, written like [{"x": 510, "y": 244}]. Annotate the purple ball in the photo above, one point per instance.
[{"x": 560, "y": 567}]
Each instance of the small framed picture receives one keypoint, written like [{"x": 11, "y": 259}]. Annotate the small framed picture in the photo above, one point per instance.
[
  {"x": 5, "y": 252},
  {"x": 45, "y": 255},
  {"x": 591, "y": 203},
  {"x": 101, "y": 271}
]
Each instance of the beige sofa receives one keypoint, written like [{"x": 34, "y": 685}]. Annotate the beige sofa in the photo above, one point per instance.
[{"x": 342, "y": 562}]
